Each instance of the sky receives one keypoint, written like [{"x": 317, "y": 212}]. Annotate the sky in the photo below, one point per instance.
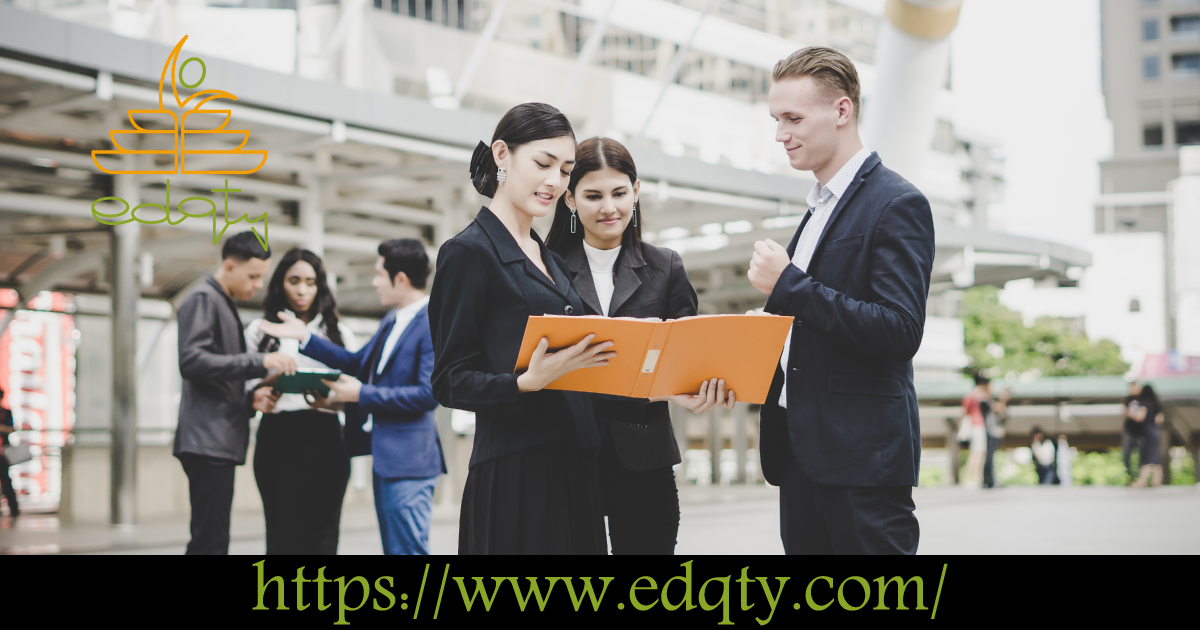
[{"x": 1027, "y": 72}]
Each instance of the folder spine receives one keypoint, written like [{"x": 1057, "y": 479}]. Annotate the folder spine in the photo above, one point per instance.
[{"x": 657, "y": 345}]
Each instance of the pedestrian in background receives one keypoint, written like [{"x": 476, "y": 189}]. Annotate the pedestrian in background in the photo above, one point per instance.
[
  {"x": 975, "y": 405},
  {"x": 1150, "y": 415},
  {"x": 994, "y": 418},
  {"x": 1043, "y": 457},
  {"x": 1066, "y": 476},
  {"x": 1132, "y": 433},
  {"x": 300, "y": 461},
  {"x": 6, "y": 486},
  {"x": 213, "y": 433}
]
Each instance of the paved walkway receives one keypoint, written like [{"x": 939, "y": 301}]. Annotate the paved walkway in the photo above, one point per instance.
[{"x": 744, "y": 520}]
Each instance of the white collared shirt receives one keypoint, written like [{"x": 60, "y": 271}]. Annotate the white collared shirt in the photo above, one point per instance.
[
  {"x": 291, "y": 347},
  {"x": 821, "y": 202},
  {"x": 404, "y": 317}
]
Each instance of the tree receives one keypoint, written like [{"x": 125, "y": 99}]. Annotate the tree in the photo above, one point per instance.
[{"x": 998, "y": 342}]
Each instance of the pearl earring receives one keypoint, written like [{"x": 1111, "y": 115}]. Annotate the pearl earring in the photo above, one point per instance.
[{"x": 501, "y": 175}]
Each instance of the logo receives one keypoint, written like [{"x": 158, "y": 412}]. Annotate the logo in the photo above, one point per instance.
[{"x": 161, "y": 132}]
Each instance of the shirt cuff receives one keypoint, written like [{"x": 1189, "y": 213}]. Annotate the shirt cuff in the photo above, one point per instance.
[{"x": 304, "y": 341}]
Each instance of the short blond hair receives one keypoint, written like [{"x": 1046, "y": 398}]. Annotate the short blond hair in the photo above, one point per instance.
[{"x": 832, "y": 70}]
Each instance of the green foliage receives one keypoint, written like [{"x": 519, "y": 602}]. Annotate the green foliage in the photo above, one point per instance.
[
  {"x": 1183, "y": 470},
  {"x": 1050, "y": 347},
  {"x": 932, "y": 476},
  {"x": 1101, "y": 469}
]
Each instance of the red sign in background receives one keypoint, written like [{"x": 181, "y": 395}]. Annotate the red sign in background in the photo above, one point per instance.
[{"x": 37, "y": 374}]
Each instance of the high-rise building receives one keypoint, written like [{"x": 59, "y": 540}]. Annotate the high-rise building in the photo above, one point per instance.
[{"x": 1151, "y": 82}]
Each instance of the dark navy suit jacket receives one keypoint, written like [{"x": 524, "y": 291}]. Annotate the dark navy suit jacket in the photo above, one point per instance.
[
  {"x": 851, "y": 416},
  {"x": 404, "y": 439}
]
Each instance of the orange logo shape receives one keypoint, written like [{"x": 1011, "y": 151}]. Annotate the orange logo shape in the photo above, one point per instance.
[{"x": 190, "y": 126}]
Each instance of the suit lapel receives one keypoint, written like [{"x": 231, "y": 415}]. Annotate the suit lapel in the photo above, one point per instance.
[
  {"x": 791, "y": 248},
  {"x": 627, "y": 280},
  {"x": 510, "y": 252},
  {"x": 581, "y": 275},
  {"x": 871, "y": 162},
  {"x": 404, "y": 335}
]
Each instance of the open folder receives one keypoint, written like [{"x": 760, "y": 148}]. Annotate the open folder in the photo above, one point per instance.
[{"x": 664, "y": 358}]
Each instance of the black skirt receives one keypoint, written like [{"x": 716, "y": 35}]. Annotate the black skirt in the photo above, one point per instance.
[
  {"x": 301, "y": 468},
  {"x": 540, "y": 500}
]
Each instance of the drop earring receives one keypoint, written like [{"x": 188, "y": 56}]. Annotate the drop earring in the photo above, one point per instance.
[
  {"x": 635, "y": 214},
  {"x": 572, "y": 221},
  {"x": 501, "y": 175}
]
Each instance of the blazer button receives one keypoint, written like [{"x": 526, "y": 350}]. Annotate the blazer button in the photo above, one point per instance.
[
  {"x": 799, "y": 323},
  {"x": 568, "y": 310}
]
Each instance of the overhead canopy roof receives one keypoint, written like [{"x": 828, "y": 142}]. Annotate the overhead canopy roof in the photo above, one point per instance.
[{"x": 374, "y": 165}]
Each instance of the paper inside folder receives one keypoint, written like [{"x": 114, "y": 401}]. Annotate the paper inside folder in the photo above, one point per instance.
[{"x": 651, "y": 360}]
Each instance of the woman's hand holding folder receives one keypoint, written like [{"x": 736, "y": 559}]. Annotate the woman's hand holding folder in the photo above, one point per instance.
[
  {"x": 712, "y": 394},
  {"x": 547, "y": 367}
]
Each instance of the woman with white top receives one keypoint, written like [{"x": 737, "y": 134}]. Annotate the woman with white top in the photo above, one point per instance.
[
  {"x": 598, "y": 233},
  {"x": 300, "y": 461}
]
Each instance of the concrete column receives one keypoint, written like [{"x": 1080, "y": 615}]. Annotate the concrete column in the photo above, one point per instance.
[
  {"x": 125, "y": 292},
  {"x": 312, "y": 217},
  {"x": 739, "y": 442},
  {"x": 679, "y": 420},
  {"x": 952, "y": 451},
  {"x": 714, "y": 445},
  {"x": 912, "y": 59}
]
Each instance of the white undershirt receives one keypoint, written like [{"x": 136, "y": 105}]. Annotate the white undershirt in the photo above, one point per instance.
[
  {"x": 601, "y": 262},
  {"x": 404, "y": 317},
  {"x": 821, "y": 202}
]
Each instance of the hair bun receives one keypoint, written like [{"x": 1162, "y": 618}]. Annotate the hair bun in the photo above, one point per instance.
[{"x": 482, "y": 166}]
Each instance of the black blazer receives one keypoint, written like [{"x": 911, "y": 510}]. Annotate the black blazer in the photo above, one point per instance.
[
  {"x": 214, "y": 406},
  {"x": 650, "y": 282},
  {"x": 484, "y": 291},
  {"x": 851, "y": 415}
]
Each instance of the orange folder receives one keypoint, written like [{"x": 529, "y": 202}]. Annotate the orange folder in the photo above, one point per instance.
[{"x": 664, "y": 358}]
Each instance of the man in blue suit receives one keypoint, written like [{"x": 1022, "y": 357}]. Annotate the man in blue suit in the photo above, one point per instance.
[
  {"x": 390, "y": 396},
  {"x": 839, "y": 432}
]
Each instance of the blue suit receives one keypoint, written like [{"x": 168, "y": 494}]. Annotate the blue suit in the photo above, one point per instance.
[{"x": 404, "y": 439}]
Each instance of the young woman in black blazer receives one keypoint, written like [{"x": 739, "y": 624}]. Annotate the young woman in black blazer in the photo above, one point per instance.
[
  {"x": 597, "y": 232},
  {"x": 531, "y": 486}
]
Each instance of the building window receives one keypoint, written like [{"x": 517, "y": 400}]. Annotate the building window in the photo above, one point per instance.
[
  {"x": 1187, "y": 132},
  {"x": 412, "y": 8},
  {"x": 1135, "y": 306},
  {"x": 1185, "y": 27},
  {"x": 1150, "y": 67},
  {"x": 1152, "y": 136},
  {"x": 1150, "y": 29},
  {"x": 1186, "y": 65}
]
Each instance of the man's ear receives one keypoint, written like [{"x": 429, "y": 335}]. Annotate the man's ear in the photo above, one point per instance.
[
  {"x": 228, "y": 265},
  {"x": 846, "y": 112},
  {"x": 400, "y": 280}
]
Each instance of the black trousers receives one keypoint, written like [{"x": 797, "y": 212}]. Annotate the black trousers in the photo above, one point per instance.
[
  {"x": 6, "y": 487},
  {"x": 989, "y": 464},
  {"x": 210, "y": 487},
  {"x": 301, "y": 467},
  {"x": 818, "y": 519},
  {"x": 642, "y": 506}
]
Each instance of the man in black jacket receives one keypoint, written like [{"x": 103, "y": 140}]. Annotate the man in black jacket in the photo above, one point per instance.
[
  {"x": 839, "y": 431},
  {"x": 214, "y": 408}
]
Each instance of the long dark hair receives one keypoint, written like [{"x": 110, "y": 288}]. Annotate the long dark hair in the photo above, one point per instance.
[
  {"x": 525, "y": 123},
  {"x": 276, "y": 299},
  {"x": 1149, "y": 395},
  {"x": 594, "y": 154}
]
